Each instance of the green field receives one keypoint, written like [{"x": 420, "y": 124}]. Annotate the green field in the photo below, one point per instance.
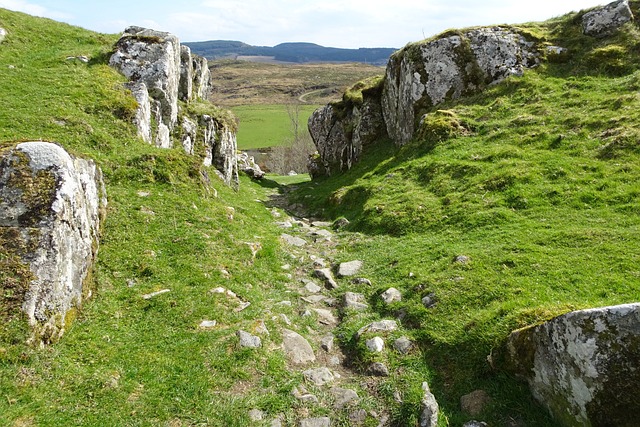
[{"x": 262, "y": 126}]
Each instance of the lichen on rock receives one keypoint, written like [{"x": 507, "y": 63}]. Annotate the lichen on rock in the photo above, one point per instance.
[
  {"x": 51, "y": 208},
  {"x": 584, "y": 366}
]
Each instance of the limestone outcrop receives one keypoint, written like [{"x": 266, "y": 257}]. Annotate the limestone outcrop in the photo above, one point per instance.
[
  {"x": 343, "y": 130},
  {"x": 3, "y": 34},
  {"x": 162, "y": 73},
  {"x": 583, "y": 366},
  {"x": 606, "y": 20},
  {"x": 423, "y": 75},
  {"x": 51, "y": 207}
]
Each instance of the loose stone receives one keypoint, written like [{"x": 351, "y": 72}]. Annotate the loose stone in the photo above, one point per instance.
[
  {"x": 354, "y": 301},
  {"x": 297, "y": 348},
  {"x": 255, "y": 415},
  {"x": 391, "y": 295},
  {"x": 430, "y": 409},
  {"x": 380, "y": 326},
  {"x": 475, "y": 423},
  {"x": 319, "y": 376},
  {"x": 155, "y": 294},
  {"x": 474, "y": 402},
  {"x": 343, "y": 397},
  {"x": 378, "y": 369},
  {"x": 247, "y": 340},
  {"x": 325, "y": 316},
  {"x": 327, "y": 343},
  {"x": 293, "y": 241},
  {"x": 207, "y": 324},
  {"x": 325, "y": 275},
  {"x": 361, "y": 281},
  {"x": 375, "y": 344},
  {"x": 429, "y": 300},
  {"x": 350, "y": 268},
  {"x": 316, "y": 422},
  {"x": 358, "y": 416},
  {"x": 403, "y": 345}
]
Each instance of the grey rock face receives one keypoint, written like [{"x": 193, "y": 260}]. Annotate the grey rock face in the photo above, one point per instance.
[
  {"x": 297, "y": 348},
  {"x": 249, "y": 341},
  {"x": 153, "y": 58},
  {"x": 201, "y": 77},
  {"x": 430, "y": 408},
  {"x": 583, "y": 366},
  {"x": 51, "y": 209},
  {"x": 341, "y": 133},
  {"x": 189, "y": 135},
  {"x": 221, "y": 149},
  {"x": 142, "y": 120},
  {"x": 248, "y": 165},
  {"x": 185, "y": 89},
  {"x": 424, "y": 75},
  {"x": 606, "y": 20}
]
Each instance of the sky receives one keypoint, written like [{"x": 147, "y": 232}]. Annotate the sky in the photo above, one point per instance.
[{"x": 334, "y": 23}]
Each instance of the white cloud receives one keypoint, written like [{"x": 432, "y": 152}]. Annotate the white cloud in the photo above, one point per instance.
[{"x": 33, "y": 9}]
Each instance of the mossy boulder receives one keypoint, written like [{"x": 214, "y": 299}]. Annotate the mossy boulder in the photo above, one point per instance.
[
  {"x": 452, "y": 65},
  {"x": 51, "y": 208},
  {"x": 584, "y": 366}
]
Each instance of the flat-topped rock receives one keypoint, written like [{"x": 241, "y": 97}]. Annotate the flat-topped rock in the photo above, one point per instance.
[{"x": 297, "y": 348}]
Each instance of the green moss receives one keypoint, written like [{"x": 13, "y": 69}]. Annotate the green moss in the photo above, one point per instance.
[{"x": 439, "y": 126}]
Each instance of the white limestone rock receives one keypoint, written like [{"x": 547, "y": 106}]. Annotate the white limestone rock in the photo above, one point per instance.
[
  {"x": 430, "y": 408},
  {"x": 583, "y": 366},
  {"x": 605, "y": 21},
  {"x": 3, "y": 34},
  {"x": 142, "y": 119},
  {"x": 51, "y": 208}
]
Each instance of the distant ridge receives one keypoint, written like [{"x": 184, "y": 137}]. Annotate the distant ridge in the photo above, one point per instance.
[{"x": 290, "y": 52}]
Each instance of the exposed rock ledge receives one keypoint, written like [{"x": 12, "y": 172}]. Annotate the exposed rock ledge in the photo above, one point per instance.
[
  {"x": 51, "y": 208},
  {"x": 583, "y": 366},
  {"x": 162, "y": 72}
]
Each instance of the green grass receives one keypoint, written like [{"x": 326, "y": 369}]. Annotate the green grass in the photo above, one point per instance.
[
  {"x": 537, "y": 183},
  {"x": 263, "y": 126}
]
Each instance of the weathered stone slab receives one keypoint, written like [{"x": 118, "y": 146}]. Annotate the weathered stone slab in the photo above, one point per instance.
[{"x": 606, "y": 20}]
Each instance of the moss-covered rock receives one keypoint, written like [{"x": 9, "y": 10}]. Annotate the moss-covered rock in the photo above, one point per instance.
[
  {"x": 583, "y": 366},
  {"x": 51, "y": 208}
]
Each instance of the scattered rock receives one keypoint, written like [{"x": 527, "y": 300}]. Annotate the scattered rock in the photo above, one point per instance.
[
  {"x": 321, "y": 224},
  {"x": 430, "y": 409},
  {"x": 375, "y": 344},
  {"x": 340, "y": 223},
  {"x": 207, "y": 324},
  {"x": 155, "y": 294},
  {"x": 311, "y": 287},
  {"x": 327, "y": 343},
  {"x": 343, "y": 396},
  {"x": 248, "y": 165},
  {"x": 361, "y": 281},
  {"x": 293, "y": 240},
  {"x": 605, "y": 21},
  {"x": 403, "y": 345},
  {"x": 303, "y": 395},
  {"x": 358, "y": 416},
  {"x": 256, "y": 415},
  {"x": 242, "y": 306},
  {"x": 314, "y": 299},
  {"x": 354, "y": 301},
  {"x": 297, "y": 348},
  {"x": 429, "y": 300},
  {"x": 259, "y": 327},
  {"x": 316, "y": 422},
  {"x": 285, "y": 319},
  {"x": 474, "y": 402},
  {"x": 325, "y": 234},
  {"x": 325, "y": 275},
  {"x": 325, "y": 316},
  {"x": 248, "y": 341},
  {"x": 284, "y": 224},
  {"x": 3, "y": 34},
  {"x": 475, "y": 424},
  {"x": 391, "y": 295},
  {"x": 319, "y": 376},
  {"x": 276, "y": 422},
  {"x": 462, "y": 259},
  {"x": 350, "y": 268},
  {"x": 378, "y": 369},
  {"x": 221, "y": 290},
  {"x": 380, "y": 326}
]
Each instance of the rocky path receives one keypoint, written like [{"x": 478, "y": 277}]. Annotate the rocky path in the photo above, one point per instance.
[{"x": 331, "y": 383}]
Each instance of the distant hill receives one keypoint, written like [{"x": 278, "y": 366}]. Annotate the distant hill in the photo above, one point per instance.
[{"x": 290, "y": 52}]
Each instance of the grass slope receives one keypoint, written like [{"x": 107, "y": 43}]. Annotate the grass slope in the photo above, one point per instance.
[
  {"x": 536, "y": 181},
  {"x": 128, "y": 361}
]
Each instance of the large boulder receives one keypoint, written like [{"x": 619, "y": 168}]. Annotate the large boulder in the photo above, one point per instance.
[
  {"x": 51, "y": 208},
  {"x": 185, "y": 89},
  {"x": 201, "y": 77},
  {"x": 221, "y": 149},
  {"x": 153, "y": 58},
  {"x": 606, "y": 20},
  {"x": 342, "y": 131},
  {"x": 455, "y": 64},
  {"x": 583, "y": 366}
]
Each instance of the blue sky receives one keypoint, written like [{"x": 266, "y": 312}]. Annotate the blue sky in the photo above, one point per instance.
[{"x": 337, "y": 23}]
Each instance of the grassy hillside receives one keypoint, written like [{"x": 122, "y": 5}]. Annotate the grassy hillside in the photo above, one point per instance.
[{"x": 535, "y": 182}]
